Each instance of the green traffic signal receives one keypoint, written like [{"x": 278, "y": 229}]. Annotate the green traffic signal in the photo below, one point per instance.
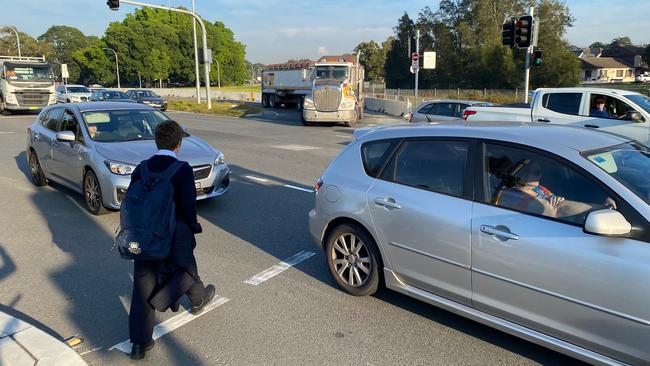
[{"x": 537, "y": 58}]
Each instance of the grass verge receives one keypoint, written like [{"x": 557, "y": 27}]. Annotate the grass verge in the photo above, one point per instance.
[{"x": 229, "y": 109}]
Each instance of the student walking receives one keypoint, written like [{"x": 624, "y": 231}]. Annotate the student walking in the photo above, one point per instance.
[{"x": 161, "y": 199}]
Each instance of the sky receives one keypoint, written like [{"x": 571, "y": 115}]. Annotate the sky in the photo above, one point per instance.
[{"x": 277, "y": 30}]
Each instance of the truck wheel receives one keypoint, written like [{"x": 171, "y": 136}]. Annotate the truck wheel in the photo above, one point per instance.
[
  {"x": 353, "y": 121},
  {"x": 299, "y": 105},
  {"x": 265, "y": 101},
  {"x": 272, "y": 102}
]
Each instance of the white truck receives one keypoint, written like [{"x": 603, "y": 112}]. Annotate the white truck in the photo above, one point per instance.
[
  {"x": 328, "y": 90},
  {"x": 624, "y": 112},
  {"x": 26, "y": 83}
]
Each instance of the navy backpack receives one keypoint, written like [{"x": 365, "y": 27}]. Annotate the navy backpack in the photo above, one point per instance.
[{"x": 148, "y": 216}]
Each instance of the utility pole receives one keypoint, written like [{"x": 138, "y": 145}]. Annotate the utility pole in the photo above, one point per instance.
[
  {"x": 204, "y": 39},
  {"x": 416, "y": 67},
  {"x": 218, "y": 74},
  {"x": 140, "y": 79},
  {"x": 17, "y": 39},
  {"x": 196, "y": 58},
  {"x": 529, "y": 50},
  {"x": 117, "y": 67}
]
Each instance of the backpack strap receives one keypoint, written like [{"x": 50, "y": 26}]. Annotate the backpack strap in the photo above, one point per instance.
[
  {"x": 145, "y": 173},
  {"x": 169, "y": 173}
]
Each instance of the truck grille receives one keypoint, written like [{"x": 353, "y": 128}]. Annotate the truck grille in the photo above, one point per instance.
[
  {"x": 33, "y": 99},
  {"x": 327, "y": 99},
  {"x": 201, "y": 171}
]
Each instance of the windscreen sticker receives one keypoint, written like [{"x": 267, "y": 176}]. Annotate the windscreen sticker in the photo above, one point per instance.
[
  {"x": 94, "y": 118},
  {"x": 605, "y": 161}
]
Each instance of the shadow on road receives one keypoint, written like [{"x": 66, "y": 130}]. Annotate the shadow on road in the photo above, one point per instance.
[{"x": 269, "y": 216}]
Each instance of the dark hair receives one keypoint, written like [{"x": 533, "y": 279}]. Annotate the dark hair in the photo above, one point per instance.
[
  {"x": 169, "y": 134},
  {"x": 599, "y": 99}
]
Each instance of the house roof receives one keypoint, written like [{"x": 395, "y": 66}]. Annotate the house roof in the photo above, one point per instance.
[{"x": 603, "y": 63}]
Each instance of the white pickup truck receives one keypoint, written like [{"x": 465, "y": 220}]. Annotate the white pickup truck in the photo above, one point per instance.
[{"x": 625, "y": 113}]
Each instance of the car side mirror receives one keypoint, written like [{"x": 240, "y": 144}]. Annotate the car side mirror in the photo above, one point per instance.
[
  {"x": 634, "y": 116},
  {"x": 607, "y": 222},
  {"x": 66, "y": 136}
]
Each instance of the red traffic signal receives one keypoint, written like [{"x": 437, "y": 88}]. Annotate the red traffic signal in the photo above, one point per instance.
[
  {"x": 415, "y": 56},
  {"x": 524, "y": 31}
]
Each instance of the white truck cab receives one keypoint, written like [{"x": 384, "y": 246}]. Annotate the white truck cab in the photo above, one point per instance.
[{"x": 26, "y": 83}]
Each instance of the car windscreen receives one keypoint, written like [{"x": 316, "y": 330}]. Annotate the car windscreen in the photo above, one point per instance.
[
  {"x": 628, "y": 163},
  {"x": 77, "y": 89},
  {"x": 640, "y": 100},
  {"x": 122, "y": 125},
  {"x": 144, "y": 93},
  {"x": 115, "y": 95},
  {"x": 28, "y": 72}
]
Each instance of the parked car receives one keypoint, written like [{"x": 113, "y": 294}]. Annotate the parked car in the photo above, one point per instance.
[
  {"x": 72, "y": 94},
  {"x": 626, "y": 113},
  {"x": 443, "y": 110},
  {"x": 110, "y": 96},
  {"x": 540, "y": 231},
  {"x": 642, "y": 78},
  {"x": 93, "y": 148},
  {"x": 148, "y": 97}
]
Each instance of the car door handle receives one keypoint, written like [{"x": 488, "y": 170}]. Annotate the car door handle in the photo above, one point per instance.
[
  {"x": 388, "y": 203},
  {"x": 500, "y": 232},
  {"x": 592, "y": 126},
  {"x": 543, "y": 120}
]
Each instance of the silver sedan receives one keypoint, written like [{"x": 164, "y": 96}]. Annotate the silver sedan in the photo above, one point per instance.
[
  {"x": 540, "y": 231},
  {"x": 94, "y": 147},
  {"x": 443, "y": 110}
]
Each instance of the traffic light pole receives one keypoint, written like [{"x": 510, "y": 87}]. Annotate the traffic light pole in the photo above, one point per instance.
[
  {"x": 529, "y": 50},
  {"x": 197, "y": 73},
  {"x": 204, "y": 38},
  {"x": 417, "y": 70}
]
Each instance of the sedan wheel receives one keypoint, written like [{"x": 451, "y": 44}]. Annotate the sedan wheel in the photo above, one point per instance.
[
  {"x": 93, "y": 194},
  {"x": 353, "y": 260},
  {"x": 38, "y": 178}
]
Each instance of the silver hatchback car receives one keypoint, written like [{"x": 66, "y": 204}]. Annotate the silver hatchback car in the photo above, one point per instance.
[
  {"x": 539, "y": 231},
  {"x": 93, "y": 147}
]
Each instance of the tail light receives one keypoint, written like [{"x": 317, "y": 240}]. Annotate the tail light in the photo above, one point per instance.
[
  {"x": 318, "y": 184},
  {"x": 467, "y": 113}
]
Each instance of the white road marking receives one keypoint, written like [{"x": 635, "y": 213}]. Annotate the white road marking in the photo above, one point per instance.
[
  {"x": 299, "y": 189},
  {"x": 6, "y": 133},
  {"x": 256, "y": 178},
  {"x": 278, "y": 268},
  {"x": 296, "y": 147},
  {"x": 90, "y": 351},
  {"x": 173, "y": 323},
  {"x": 344, "y": 136}
]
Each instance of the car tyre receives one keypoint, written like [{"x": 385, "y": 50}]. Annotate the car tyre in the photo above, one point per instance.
[
  {"x": 93, "y": 194},
  {"x": 354, "y": 260},
  {"x": 35, "y": 170}
]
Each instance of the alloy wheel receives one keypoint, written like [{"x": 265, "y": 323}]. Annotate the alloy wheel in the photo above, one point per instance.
[{"x": 351, "y": 260}]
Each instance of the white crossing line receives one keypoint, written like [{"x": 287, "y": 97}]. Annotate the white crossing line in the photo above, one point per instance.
[
  {"x": 173, "y": 323},
  {"x": 296, "y": 147},
  {"x": 344, "y": 136},
  {"x": 299, "y": 189},
  {"x": 256, "y": 178},
  {"x": 6, "y": 133},
  {"x": 278, "y": 268},
  {"x": 90, "y": 351}
]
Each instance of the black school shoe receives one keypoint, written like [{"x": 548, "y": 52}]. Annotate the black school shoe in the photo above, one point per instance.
[
  {"x": 209, "y": 295},
  {"x": 139, "y": 350}
]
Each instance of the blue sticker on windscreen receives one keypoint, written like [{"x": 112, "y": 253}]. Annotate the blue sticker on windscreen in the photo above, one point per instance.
[{"x": 599, "y": 159}]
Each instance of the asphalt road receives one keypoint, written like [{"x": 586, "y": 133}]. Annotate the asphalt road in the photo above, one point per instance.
[{"x": 56, "y": 269}]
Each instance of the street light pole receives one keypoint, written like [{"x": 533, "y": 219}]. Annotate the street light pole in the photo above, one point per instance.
[
  {"x": 196, "y": 59},
  {"x": 252, "y": 75},
  {"x": 17, "y": 39},
  {"x": 204, "y": 39},
  {"x": 218, "y": 74},
  {"x": 140, "y": 79},
  {"x": 117, "y": 67}
]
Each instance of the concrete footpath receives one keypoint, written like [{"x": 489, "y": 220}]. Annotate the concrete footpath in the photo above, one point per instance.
[{"x": 23, "y": 344}]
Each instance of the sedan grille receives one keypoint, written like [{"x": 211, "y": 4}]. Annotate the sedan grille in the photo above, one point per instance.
[
  {"x": 202, "y": 171},
  {"x": 327, "y": 99}
]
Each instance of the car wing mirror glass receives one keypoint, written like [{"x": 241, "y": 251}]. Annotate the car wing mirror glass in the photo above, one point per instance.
[
  {"x": 634, "y": 116},
  {"x": 607, "y": 222}
]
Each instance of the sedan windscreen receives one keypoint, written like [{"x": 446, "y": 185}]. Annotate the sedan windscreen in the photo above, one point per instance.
[
  {"x": 628, "y": 163},
  {"x": 77, "y": 89},
  {"x": 122, "y": 125}
]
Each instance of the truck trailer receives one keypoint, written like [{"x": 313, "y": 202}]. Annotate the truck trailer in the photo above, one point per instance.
[
  {"x": 327, "y": 90},
  {"x": 26, "y": 83}
]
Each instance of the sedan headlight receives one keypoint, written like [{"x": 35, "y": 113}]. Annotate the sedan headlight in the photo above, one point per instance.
[
  {"x": 308, "y": 104},
  {"x": 220, "y": 160},
  {"x": 119, "y": 168}
]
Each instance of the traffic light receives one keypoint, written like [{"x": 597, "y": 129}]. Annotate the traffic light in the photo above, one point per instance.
[
  {"x": 537, "y": 58},
  {"x": 524, "y": 31},
  {"x": 508, "y": 33},
  {"x": 113, "y": 4}
]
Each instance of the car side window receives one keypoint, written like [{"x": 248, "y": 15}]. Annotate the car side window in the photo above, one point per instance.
[
  {"x": 42, "y": 118},
  {"x": 565, "y": 103},
  {"x": 53, "y": 118},
  {"x": 435, "y": 165},
  {"x": 613, "y": 108},
  {"x": 69, "y": 123},
  {"x": 374, "y": 155},
  {"x": 446, "y": 109},
  {"x": 425, "y": 109},
  {"x": 533, "y": 183},
  {"x": 60, "y": 89}
]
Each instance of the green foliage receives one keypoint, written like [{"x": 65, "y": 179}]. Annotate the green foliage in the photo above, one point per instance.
[
  {"x": 157, "y": 65},
  {"x": 28, "y": 45},
  {"x": 466, "y": 34},
  {"x": 95, "y": 65},
  {"x": 373, "y": 59},
  {"x": 65, "y": 41}
]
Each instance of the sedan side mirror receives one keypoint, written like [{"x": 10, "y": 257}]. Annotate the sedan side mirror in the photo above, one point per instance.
[
  {"x": 65, "y": 136},
  {"x": 634, "y": 116},
  {"x": 607, "y": 222}
]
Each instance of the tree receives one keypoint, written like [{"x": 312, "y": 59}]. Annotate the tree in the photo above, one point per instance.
[
  {"x": 646, "y": 55},
  {"x": 64, "y": 41},
  {"x": 95, "y": 65},
  {"x": 398, "y": 60},
  {"x": 621, "y": 41},
  {"x": 28, "y": 45},
  {"x": 157, "y": 65},
  {"x": 373, "y": 59}
]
